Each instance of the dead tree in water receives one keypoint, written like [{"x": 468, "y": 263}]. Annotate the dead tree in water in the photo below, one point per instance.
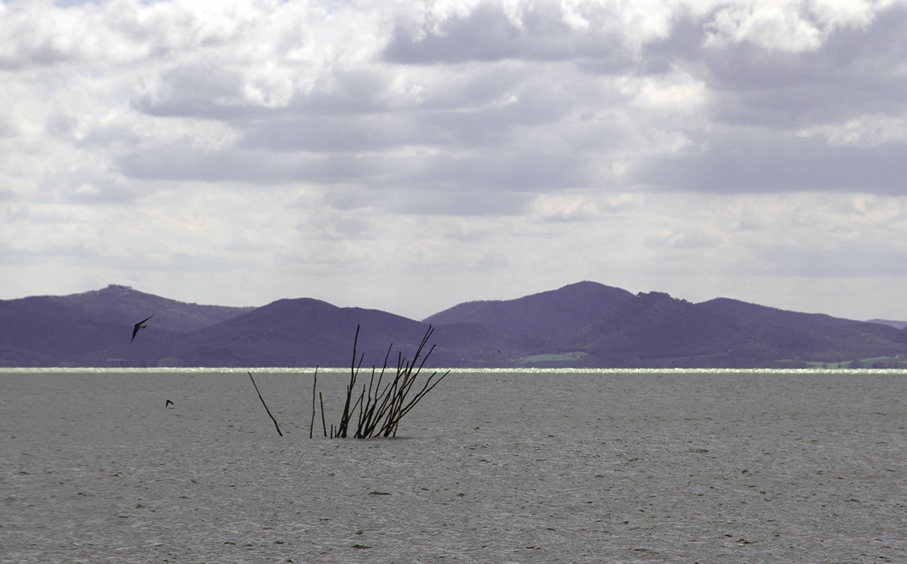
[{"x": 381, "y": 409}]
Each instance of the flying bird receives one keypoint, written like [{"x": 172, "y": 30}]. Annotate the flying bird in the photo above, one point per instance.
[
  {"x": 140, "y": 325},
  {"x": 169, "y": 404}
]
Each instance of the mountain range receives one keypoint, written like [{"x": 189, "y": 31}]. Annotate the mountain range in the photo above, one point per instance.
[{"x": 586, "y": 324}]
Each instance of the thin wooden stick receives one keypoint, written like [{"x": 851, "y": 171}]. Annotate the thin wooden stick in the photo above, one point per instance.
[
  {"x": 425, "y": 390},
  {"x": 366, "y": 425},
  {"x": 266, "y": 405},
  {"x": 341, "y": 431},
  {"x": 314, "y": 385},
  {"x": 324, "y": 425}
]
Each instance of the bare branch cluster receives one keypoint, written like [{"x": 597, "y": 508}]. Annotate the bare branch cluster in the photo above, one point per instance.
[{"x": 381, "y": 409}]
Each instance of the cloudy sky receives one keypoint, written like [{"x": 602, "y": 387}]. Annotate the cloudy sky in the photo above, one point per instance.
[{"x": 409, "y": 155}]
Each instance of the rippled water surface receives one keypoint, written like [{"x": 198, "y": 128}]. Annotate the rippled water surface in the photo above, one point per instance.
[{"x": 491, "y": 467}]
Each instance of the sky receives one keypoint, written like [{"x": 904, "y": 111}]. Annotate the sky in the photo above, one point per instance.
[{"x": 412, "y": 155}]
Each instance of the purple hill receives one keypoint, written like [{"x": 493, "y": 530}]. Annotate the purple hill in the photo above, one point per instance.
[{"x": 546, "y": 315}]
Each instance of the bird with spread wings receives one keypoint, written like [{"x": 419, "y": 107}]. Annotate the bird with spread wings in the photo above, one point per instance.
[{"x": 140, "y": 325}]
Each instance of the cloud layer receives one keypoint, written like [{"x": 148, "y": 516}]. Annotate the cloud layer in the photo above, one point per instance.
[{"x": 410, "y": 155}]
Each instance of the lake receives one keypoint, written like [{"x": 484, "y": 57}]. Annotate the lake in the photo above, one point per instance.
[{"x": 494, "y": 466}]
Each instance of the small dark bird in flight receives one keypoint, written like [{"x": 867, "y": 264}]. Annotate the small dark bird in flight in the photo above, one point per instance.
[
  {"x": 168, "y": 404},
  {"x": 140, "y": 325}
]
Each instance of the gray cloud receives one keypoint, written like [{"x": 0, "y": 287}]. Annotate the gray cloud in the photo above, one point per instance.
[
  {"x": 464, "y": 202},
  {"x": 767, "y": 163},
  {"x": 205, "y": 91},
  {"x": 348, "y": 126},
  {"x": 520, "y": 171},
  {"x": 851, "y": 73},
  {"x": 329, "y": 134},
  {"x": 844, "y": 261},
  {"x": 487, "y": 33},
  {"x": 181, "y": 161},
  {"x": 770, "y": 93}
]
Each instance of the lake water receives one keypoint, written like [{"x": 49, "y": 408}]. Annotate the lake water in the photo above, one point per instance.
[{"x": 491, "y": 467}]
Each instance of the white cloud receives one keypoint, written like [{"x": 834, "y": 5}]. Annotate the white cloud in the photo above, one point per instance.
[
  {"x": 676, "y": 91},
  {"x": 784, "y": 25},
  {"x": 513, "y": 144},
  {"x": 863, "y": 131},
  {"x": 579, "y": 206},
  {"x": 777, "y": 25}
]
